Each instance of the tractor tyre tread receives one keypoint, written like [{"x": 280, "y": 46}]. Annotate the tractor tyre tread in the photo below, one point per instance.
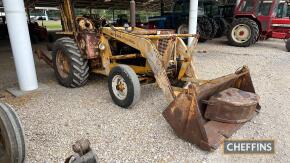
[
  {"x": 214, "y": 27},
  {"x": 204, "y": 31},
  {"x": 79, "y": 67},
  {"x": 223, "y": 27},
  {"x": 288, "y": 45},
  {"x": 198, "y": 31}
]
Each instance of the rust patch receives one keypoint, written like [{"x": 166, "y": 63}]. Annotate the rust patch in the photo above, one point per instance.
[{"x": 88, "y": 44}]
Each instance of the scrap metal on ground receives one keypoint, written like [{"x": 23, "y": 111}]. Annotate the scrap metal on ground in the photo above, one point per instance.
[
  {"x": 83, "y": 153},
  {"x": 132, "y": 56}
]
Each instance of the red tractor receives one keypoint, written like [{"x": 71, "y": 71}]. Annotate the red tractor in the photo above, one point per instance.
[{"x": 259, "y": 19}]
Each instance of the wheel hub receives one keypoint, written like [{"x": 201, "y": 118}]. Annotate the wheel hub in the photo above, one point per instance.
[
  {"x": 241, "y": 33},
  {"x": 119, "y": 87},
  {"x": 62, "y": 64},
  {"x": 183, "y": 29}
]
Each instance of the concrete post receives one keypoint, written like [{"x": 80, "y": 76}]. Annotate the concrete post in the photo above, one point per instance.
[
  {"x": 193, "y": 11},
  {"x": 20, "y": 43}
]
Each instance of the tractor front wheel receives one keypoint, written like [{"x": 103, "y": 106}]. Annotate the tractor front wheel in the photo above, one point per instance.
[
  {"x": 243, "y": 32},
  {"x": 223, "y": 27},
  {"x": 214, "y": 27},
  {"x": 124, "y": 86},
  {"x": 70, "y": 68},
  {"x": 182, "y": 29}
]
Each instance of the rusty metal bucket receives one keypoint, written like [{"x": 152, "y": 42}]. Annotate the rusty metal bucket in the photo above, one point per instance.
[
  {"x": 186, "y": 113},
  {"x": 231, "y": 106}
]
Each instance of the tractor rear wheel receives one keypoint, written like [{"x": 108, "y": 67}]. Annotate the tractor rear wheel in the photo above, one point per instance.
[
  {"x": 198, "y": 31},
  {"x": 214, "y": 27},
  {"x": 243, "y": 32},
  {"x": 288, "y": 45},
  {"x": 205, "y": 28},
  {"x": 12, "y": 142},
  {"x": 70, "y": 68},
  {"x": 124, "y": 86},
  {"x": 223, "y": 27}
]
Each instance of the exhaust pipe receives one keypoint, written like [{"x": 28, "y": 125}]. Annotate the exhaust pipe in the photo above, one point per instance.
[{"x": 133, "y": 13}]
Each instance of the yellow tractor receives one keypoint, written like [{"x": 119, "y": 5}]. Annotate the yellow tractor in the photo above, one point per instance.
[{"x": 132, "y": 56}]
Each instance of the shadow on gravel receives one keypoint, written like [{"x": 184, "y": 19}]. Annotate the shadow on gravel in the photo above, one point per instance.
[{"x": 272, "y": 44}]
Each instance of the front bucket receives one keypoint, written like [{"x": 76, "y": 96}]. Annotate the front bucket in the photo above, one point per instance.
[{"x": 186, "y": 113}]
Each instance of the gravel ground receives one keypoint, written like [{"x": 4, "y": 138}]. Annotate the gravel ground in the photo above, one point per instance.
[{"x": 53, "y": 119}]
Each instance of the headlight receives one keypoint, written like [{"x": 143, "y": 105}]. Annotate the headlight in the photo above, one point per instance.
[{"x": 102, "y": 46}]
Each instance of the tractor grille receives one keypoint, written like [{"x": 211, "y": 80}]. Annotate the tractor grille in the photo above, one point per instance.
[{"x": 162, "y": 46}]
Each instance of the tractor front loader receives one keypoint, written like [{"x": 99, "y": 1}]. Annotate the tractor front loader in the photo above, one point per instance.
[{"x": 201, "y": 112}]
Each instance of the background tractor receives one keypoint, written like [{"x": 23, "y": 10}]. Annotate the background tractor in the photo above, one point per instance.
[
  {"x": 259, "y": 19},
  {"x": 37, "y": 33},
  {"x": 178, "y": 19},
  {"x": 132, "y": 56},
  {"x": 221, "y": 13},
  {"x": 213, "y": 18}
]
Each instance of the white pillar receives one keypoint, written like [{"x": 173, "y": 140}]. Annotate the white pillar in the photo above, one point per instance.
[
  {"x": 193, "y": 11},
  {"x": 20, "y": 43}
]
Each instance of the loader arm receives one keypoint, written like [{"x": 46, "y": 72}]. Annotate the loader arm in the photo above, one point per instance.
[{"x": 67, "y": 16}]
